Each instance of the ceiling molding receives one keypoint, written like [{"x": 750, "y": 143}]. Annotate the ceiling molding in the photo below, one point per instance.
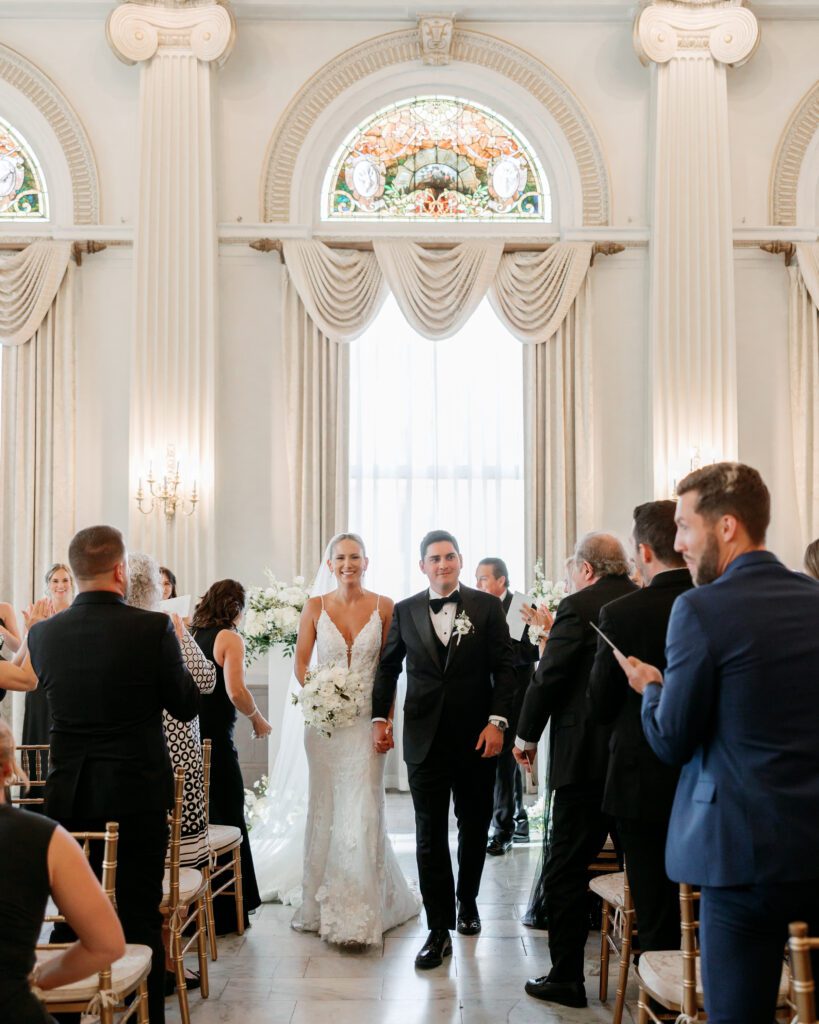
[{"x": 386, "y": 11}]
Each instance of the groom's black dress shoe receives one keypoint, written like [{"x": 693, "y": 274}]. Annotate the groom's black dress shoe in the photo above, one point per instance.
[
  {"x": 432, "y": 953},
  {"x": 497, "y": 846},
  {"x": 469, "y": 920},
  {"x": 567, "y": 993}
]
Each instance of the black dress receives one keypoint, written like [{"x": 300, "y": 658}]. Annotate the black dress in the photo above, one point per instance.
[
  {"x": 226, "y": 805},
  {"x": 24, "y": 891}
]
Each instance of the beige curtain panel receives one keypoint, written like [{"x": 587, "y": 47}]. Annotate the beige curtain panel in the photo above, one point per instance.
[
  {"x": 28, "y": 283},
  {"x": 804, "y": 373}
]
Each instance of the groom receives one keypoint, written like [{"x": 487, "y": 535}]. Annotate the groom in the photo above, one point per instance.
[{"x": 460, "y": 696}]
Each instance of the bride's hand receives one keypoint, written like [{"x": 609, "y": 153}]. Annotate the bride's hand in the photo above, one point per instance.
[{"x": 382, "y": 737}]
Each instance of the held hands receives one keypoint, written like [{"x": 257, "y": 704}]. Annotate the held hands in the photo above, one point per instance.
[
  {"x": 638, "y": 673},
  {"x": 491, "y": 739},
  {"x": 382, "y": 737}
]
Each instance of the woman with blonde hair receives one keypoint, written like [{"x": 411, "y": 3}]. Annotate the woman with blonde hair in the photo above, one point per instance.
[
  {"x": 812, "y": 559},
  {"x": 40, "y": 859}
]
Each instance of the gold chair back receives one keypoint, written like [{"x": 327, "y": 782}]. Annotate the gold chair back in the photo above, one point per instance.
[
  {"x": 33, "y": 759},
  {"x": 802, "y": 983}
]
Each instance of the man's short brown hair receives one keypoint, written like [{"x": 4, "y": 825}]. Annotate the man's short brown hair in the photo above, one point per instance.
[
  {"x": 731, "y": 489},
  {"x": 95, "y": 550},
  {"x": 655, "y": 527}
]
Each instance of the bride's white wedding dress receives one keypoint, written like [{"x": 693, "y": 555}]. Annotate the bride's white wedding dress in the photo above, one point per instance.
[{"x": 352, "y": 889}]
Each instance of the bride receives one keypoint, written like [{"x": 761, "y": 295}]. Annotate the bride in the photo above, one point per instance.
[{"x": 352, "y": 889}]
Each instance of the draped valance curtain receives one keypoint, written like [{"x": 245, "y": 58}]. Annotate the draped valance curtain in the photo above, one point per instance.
[
  {"x": 332, "y": 295},
  {"x": 37, "y": 433},
  {"x": 804, "y": 374}
]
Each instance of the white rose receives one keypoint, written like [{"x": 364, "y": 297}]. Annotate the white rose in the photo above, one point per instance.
[{"x": 254, "y": 623}]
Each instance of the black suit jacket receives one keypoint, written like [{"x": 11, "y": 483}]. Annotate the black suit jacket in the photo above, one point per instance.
[
  {"x": 638, "y": 784},
  {"x": 476, "y": 680},
  {"x": 108, "y": 671},
  {"x": 524, "y": 656},
  {"x": 557, "y": 693}
]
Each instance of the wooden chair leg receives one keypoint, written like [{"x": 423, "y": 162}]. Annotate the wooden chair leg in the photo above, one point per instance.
[
  {"x": 142, "y": 1003},
  {"x": 622, "y": 977},
  {"x": 642, "y": 1007},
  {"x": 604, "y": 954},
  {"x": 211, "y": 923},
  {"x": 237, "y": 888},
  {"x": 179, "y": 971},
  {"x": 106, "y": 1015},
  {"x": 202, "y": 948}
]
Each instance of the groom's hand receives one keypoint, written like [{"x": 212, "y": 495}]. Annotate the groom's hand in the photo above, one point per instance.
[
  {"x": 382, "y": 737},
  {"x": 491, "y": 740}
]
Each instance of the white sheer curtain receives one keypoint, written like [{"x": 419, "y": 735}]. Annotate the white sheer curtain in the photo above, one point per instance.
[{"x": 436, "y": 441}]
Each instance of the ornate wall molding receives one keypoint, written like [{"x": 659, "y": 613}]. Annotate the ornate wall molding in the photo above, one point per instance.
[
  {"x": 136, "y": 32},
  {"x": 790, "y": 157},
  {"x": 404, "y": 47},
  {"x": 38, "y": 88},
  {"x": 727, "y": 34}
]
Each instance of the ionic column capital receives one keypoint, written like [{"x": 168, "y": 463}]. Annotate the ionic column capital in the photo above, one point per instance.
[
  {"x": 724, "y": 32},
  {"x": 139, "y": 32}
]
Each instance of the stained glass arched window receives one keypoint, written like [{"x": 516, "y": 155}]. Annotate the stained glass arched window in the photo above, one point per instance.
[
  {"x": 434, "y": 157},
  {"x": 22, "y": 186}
]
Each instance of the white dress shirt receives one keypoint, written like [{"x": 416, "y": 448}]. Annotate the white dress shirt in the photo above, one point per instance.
[{"x": 443, "y": 621}]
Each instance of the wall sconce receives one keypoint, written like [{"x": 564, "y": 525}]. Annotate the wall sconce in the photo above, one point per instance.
[
  {"x": 168, "y": 495},
  {"x": 695, "y": 461}
]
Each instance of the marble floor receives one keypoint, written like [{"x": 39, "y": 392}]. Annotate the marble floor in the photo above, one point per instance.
[{"x": 273, "y": 975}]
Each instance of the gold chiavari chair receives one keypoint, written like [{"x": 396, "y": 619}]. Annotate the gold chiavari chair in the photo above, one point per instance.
[
  {"x": 103, "y": 995},
  {"x": 222, "y": 839},
  {"x": 617, "y": 932},
  {"x": 802, "y": 983},
  {"x": 184, "y": 907},
  {"x": 33, "y": 759},
  {"x": 672, "y": 977}
]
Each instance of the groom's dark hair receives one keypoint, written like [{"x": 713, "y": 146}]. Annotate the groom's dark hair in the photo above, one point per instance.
[{"x": 435, "y": 537}]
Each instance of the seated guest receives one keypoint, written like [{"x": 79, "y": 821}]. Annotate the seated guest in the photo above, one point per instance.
[
  {"x": 214, "y": 627},
  {"x": 40, "y": 859},
  {"x": 812, "y": 559},
  {"x": 37, "y": 718},
  {"x": 509, "y": 819},
  {"x": 737, "y": 708},
  {"x": 168, "y": 581},
  {"x": 639, "y": 787},
  {"x": 109, "y": 671}
]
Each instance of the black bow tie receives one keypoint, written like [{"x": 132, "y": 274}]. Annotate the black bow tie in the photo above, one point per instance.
[{"x": 437, "y": 603}]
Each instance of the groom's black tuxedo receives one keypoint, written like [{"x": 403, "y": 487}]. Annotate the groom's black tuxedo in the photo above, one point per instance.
[{"x": 451, "y": 692}]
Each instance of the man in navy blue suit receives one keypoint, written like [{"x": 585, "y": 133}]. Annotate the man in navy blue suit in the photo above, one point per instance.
[{"x": 738, "y": 707}]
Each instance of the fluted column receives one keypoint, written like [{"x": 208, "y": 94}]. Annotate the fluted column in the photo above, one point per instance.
[
  {"x": 173, "y": 344},
  {"x": 692, "y": 327}
]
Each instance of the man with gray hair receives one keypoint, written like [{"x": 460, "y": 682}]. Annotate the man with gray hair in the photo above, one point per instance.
[{"x": 578, "y": 758}]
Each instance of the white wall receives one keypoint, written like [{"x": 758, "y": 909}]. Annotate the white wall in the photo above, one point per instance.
[{"x": 270, "y": 62}]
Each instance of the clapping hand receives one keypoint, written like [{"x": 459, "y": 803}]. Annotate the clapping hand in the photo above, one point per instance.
[
  {"x": 639, "y": 673},
  {"x": 540, "y": 616},
  {"x": 38, "y": 612}
]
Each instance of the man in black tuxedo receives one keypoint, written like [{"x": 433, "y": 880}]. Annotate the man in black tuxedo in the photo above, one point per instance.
[
  {"x": 578, "y": 758},
  {"x": 509, "y": 819},
  {"x": 109, "y": 670},
  {"x": 640, "y": 789},
  {"x": 460, "y": 697}
]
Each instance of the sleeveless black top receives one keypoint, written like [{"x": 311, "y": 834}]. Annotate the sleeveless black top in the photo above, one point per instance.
[{"x": 24, "y": 891}]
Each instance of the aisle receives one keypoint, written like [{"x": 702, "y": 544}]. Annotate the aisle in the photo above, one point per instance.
[{"x": 273, "y": 975}]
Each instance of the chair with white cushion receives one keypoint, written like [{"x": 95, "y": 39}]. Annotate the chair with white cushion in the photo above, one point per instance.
[
  {"x": 184, "y": 907},
  {"x": 103, "y": 994},
  {"x": 223, "y": 839},
  {"x": 617, "y": 930}
]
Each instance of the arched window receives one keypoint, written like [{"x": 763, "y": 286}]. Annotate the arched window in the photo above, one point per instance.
[
  {"x": 436, "y": 157},
  {"x": 23, "y": 193}
]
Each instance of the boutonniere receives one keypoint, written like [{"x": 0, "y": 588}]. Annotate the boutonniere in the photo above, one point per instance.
[{"x": 463, "y": 625}]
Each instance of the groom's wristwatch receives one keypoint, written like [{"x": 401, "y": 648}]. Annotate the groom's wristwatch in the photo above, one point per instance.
[{"x": 499, "y": 723}]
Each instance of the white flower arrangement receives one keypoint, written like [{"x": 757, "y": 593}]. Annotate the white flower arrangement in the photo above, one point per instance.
[
  {"x": 462, "y": 626},
  {"x": 333, "y": 696},
  {"x": 545, "y": 592},
  {"x": 272, "y": 617},
  {"x": 257, "y": 803}
]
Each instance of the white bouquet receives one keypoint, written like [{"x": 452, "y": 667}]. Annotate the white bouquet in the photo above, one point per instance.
[
  {"x": 332, "y": 697},
  {"x": 272, "y": 617},
  {"x": 257, "y": 803},
  {"x": 544, "y": 593}
]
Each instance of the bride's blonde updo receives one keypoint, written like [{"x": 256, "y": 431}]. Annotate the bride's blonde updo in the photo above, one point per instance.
[
  {"x": 339, "y": 537},
  {"x": 7, "y": 758}
]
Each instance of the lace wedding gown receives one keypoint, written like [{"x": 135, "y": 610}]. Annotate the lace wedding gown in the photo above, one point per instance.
[{"x": 353, "y": 889}]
